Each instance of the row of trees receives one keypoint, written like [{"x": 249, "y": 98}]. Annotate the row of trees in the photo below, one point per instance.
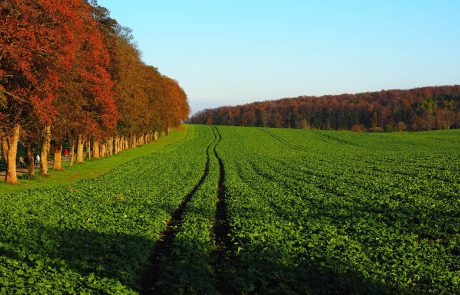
[
  {"x": 416, "y": 109},
  {"x": 70, "y": 73}
]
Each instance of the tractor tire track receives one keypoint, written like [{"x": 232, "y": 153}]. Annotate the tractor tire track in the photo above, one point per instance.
[
  {"x": 221, "y": 228},
  {"x": 329, "y": 138},
  {"x": 284, "y": 141},
  {"x": 163, "y": 246}
]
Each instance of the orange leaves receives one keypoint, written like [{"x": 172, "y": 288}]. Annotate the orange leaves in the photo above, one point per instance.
[
  {"x": 36, "y": 47},
  {"x": 178, "y": 101},
  {"x": 69, "y": 65},
  {"x": 87, "y": 89}
]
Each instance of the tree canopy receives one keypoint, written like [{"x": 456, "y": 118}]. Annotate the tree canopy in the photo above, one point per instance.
[{"x": 415, "y": 109}]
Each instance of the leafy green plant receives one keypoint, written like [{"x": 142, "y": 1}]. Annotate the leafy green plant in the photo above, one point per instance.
[{"x": 308, "y": 212}]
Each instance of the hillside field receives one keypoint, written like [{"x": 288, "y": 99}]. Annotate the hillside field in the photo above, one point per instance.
[{"x": 238, "y": 210}]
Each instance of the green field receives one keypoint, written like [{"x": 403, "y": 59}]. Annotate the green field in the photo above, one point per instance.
[{"x": 236, "y": 210}]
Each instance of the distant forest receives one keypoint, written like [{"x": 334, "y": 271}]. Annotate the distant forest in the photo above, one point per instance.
[{"x": 424, "y": 108}]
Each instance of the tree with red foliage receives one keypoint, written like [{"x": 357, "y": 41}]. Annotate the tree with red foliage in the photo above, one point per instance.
[
  {"x": 36, "y": 46},
  {"x": 86, "y": 94},
  {"x": 66, "y": 68}
]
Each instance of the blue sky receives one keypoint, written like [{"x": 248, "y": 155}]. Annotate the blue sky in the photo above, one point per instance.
[{"x": 231, "y": 52}]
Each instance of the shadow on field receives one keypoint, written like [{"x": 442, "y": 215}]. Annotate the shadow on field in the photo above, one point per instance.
[
  {"x": 251, "y": 275},
  {"x": 187, "y": 268},
  {"x": 114, "y": 256},
  {"x": 92, "y": 254}
]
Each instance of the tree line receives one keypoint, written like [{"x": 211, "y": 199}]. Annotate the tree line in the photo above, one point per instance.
[
  {"x": 69, "y": 73},
  {"x": 393, "y": 110}
]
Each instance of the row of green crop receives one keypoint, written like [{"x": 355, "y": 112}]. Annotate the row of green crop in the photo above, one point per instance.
[
  {"x": 96, "y": 236},
  {"x": 312, "y": 213}
]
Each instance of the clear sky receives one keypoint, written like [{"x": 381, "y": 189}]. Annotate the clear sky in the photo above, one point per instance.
[{"x": 226, "y": 52}]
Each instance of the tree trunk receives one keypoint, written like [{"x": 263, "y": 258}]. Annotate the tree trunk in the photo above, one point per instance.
[
  {"x": 103, "y": 150},
  {"x": 115, "y": 148},
  {"x": 107, "y": 148},
  {"x": 45, "y": 151},
  {"x": 72, "y": 150},
  {"x": 57, "y": 163},
  {"x": 12, "y": 144},
  {"x": 88, "y": 150},
  {"x": 96, "y": 149},
  {"x": 115, "y": 145},
  {"x": 30, "y": 161},
  {"x": 111, "y": 146},
  {"x": 80, "y": 144}
]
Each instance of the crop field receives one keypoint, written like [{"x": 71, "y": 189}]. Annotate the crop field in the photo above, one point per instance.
[{"x": 238, "y": 210}]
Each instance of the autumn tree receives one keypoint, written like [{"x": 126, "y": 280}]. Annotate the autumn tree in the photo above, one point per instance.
[
  {"x": 66, "y": 69},
  {"x": 36, "y": 46},
  {"x": 86, "y": 96}
]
